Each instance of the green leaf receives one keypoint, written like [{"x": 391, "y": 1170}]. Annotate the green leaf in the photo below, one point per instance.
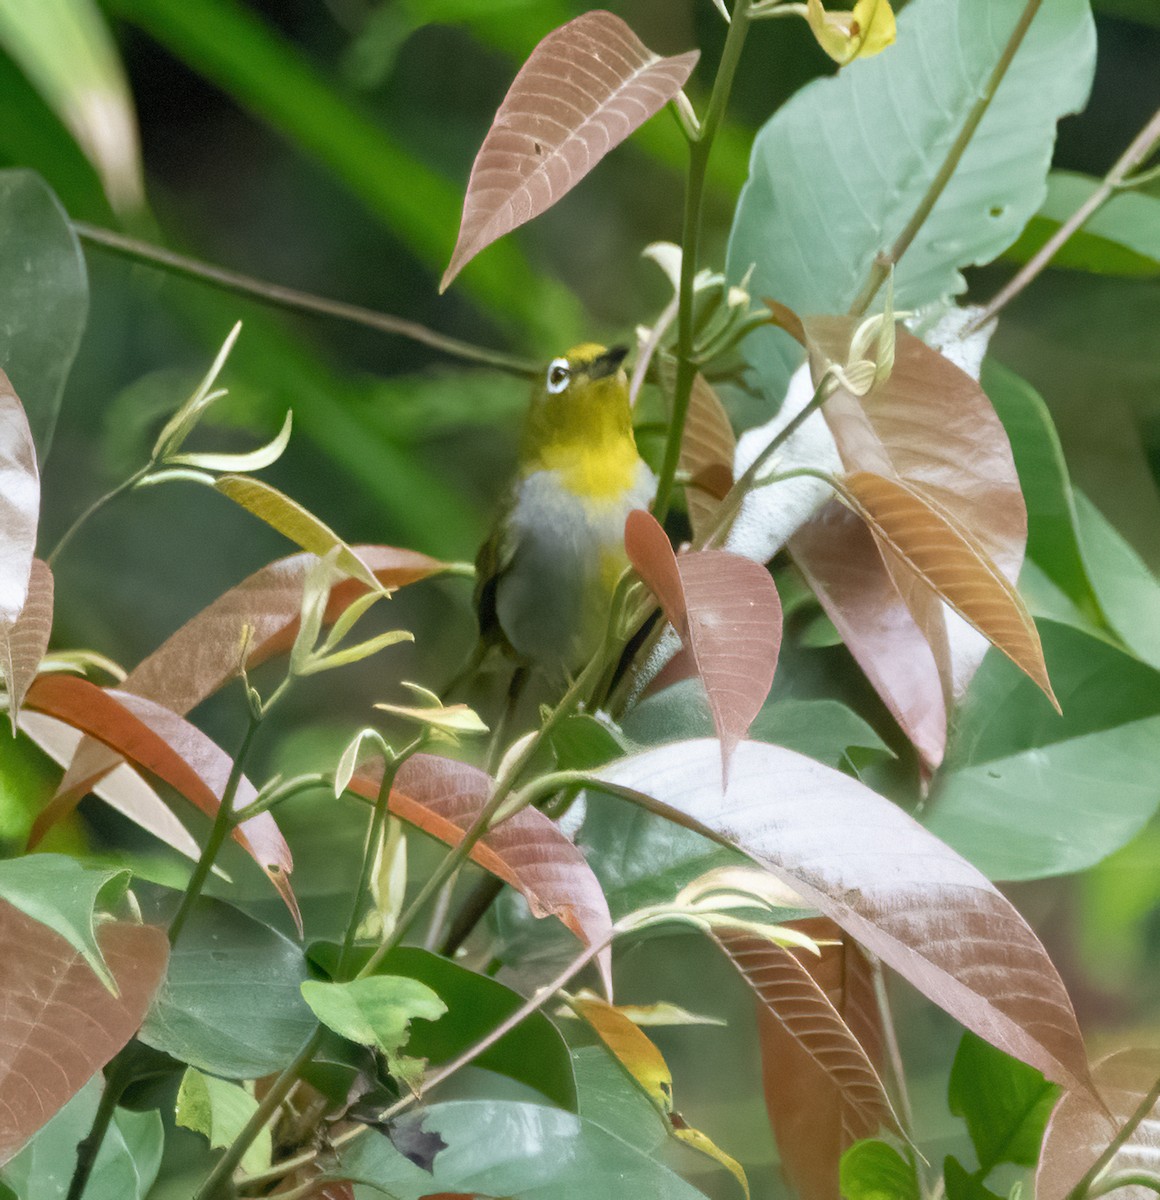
[
  {"x": 533, "y": 1053},
  {"x": 962, "y": 1185},
  {"x": 66, "y": 50},
  {"x": 46, "y": 298},
  {"x": 499, "y": 1148},
  {"x": 1121, "y": 238},
  {"x": 219, "y": 1110},
  {"x": 1024, "y": 793},
  {"x": 376, "y": 1011},
  {"x": 1004, "y": 1102},
  {"x": 866, "y": 145},
  {"x": 606, "y": 1101},
  {"x": 873, "y": 1170},
  {"x": 581, "y": 741},
  {"x": 230, "y": 1004},
  {"x": 63, "y": 894}
]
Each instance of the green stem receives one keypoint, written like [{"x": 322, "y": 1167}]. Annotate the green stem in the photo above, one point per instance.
[
  {"x": 223, "y": 826},
  {"x": 124, "y": 486},
  {"x": 116, "y": 1081},
  {"x": 1082, "y": 1189},
  {"x": 296, "y": 301},
  {"x": 884, "y": 262},
  {"x": 700, "y": 148},
  {"x": 1123, "y": 1179}
]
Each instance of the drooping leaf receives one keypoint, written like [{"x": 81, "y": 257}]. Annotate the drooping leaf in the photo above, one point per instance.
[
  {"x": 868, "y": 144},
  {"x": 873, "y": 1170},
  {"x": 443, "y": 797},
  {"x": 874, "y": 870},
  {"x": 58, "y": 1023},
  {"x": 1080, "y": 1130},
  {"x": 582, "y": 91},
  {"x": 726, "y": 610},
  {"x": 230, "y": 1004},
  {"x": 945, "y": 558},
  {"x": 24, "y": 642},
  {"x": 1005, "y": 1104},
  {"x": 707, "y": 450},
  {"x": 169, "y": 746},
  {"x": 219, "y": 1110},
  {"x": 823, "y": 1090},
  {"x": 1121, "y": 238},
  {"x": 1024, "y": 793},
  {"x": 45, "y": 286},
  {"x": 19, "y": 504}
]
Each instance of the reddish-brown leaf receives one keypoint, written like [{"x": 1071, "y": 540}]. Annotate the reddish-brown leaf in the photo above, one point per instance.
[
  {"x": 58, "y": 1023},
  {"x": 19, "y": 503},
  {"x": 707, "y": 449},
  {"x": 24, "y": 642},
  {"x": 443, "y": 797},
  {"x": 204, "y": 654},
  {"x": 903, "y": 894},
  {"x": 821, "y": 1047},
  {"x": 926, "y": 544},
  {"x": 1079, "y": 1131},
  {"x": 727, "y": 611},
  {"x": 583, "y": 90},
  {"x": 171, "y": 748},
  {"x": 837, "y": 554}
]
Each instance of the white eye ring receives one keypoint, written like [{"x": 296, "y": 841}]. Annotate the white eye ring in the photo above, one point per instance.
[{"x": 558, "y": 375}]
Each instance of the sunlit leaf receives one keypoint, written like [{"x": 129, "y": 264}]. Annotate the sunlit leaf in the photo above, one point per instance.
[
  {"x": 443, "y": 797},
  {"x": 872, "y": 1170},
  {"x": 162, "y": 742},
  {"x": 1080, "y": 1130},
  {"x": 582, "y": 91},
  {"x": 872, "y": 869},
  {"x": 845, "y": 36},
  {"x": 23, "y": 643},
  {"x": 219, "y": 1110},
  {"x": 726, "y": 610},
  {"x": 19, "y": 504},
  {"x": 58, "y": 1023},
  {"x": 707, "y": 449},
  {"x": 253, "y": 460}
]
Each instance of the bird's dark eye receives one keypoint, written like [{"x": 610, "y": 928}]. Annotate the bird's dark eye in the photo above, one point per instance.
[{"x": 558, "y": 375}]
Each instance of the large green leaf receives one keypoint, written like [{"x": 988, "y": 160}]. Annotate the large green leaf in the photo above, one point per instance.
[
  {"x": 1024, "y": 793},
  {"x": 838, "y": 171},
  {"x": 499, "y": 1148},
  {"x": 230, "y": 1003},
  {"x": 625, "y": 1112},
  {"x": 46, "y": 298}
]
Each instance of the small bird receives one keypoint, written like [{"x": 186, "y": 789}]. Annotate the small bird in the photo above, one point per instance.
[{"x": 546, "y": 574}]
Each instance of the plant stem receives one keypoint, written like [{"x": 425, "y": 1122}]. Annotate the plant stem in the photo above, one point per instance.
[
  {"x": 1142, "y": 146},
  {"x": 884, "y": 262},
  {"x": 124, "y": 486},
  {"x": 296, "y": 301},
  {"x": 1123, "y": 1179},
  {"x": 223, "y": 826},
  {"x": 1083, "y": 1188},
  {"x": 700, "y": 148},
  {"x": 116, "y": 1081}
]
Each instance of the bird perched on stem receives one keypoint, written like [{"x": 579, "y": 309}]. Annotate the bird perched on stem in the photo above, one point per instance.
[{"x": 546, "y": 574}]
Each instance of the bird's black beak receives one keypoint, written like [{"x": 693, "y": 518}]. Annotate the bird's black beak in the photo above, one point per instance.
[{"x": 608, "y": 363}]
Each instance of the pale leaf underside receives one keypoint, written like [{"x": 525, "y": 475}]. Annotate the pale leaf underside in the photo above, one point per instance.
[{"x": 23, "y": 644}]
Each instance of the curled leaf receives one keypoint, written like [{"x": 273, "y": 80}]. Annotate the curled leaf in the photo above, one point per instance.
[{"x": 845, "y": 36}]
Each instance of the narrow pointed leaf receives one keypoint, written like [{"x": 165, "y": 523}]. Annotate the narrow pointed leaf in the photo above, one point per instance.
[
  {"x": 582, "y": 91},
  {"x": 254, "y": 460},
  {"x": 443, "y": 797},
  {"x": 727, "y": 611},
  {"x": 707, "y": 449},
  {"x": 1080, "y": 1130},
  {"x": 162, "y": 742},
  {"x": 884, "y": 879},
  {"x": 24, "y": 643},
  {"x": 932, "y": 546},
  {"x": 58, "y": 1023},
  {"x": 19, "y": 503}
]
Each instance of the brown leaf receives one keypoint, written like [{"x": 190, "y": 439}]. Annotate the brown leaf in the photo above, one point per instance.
[
  {"x": 727, "y": 611},
  {"x": 58, "y": 1023},
  {"x": 204, "y": 654},
  {"x": 821, "y": 1046},
  {"x": 840, "y": 560},
  {"x": 24, "y": 642},
  {"x": 707, "y": 449},
  {"x": 19, "y": 503},
  {"x": 582, "y": 91},
  {"x": 171, "y": 748},
  {"x": 903, "y": 894},
  {"x": 443, "y": 797},
  {"x": 929, "y": 545},
  {"x": 1079, "y": 1131}
]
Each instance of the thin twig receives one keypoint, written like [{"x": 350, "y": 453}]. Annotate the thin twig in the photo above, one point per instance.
[
  {"x": 1143, "y": 144},
  {"x": 1081, "y": 1189},
  {"x": 294, "y": 300}
]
